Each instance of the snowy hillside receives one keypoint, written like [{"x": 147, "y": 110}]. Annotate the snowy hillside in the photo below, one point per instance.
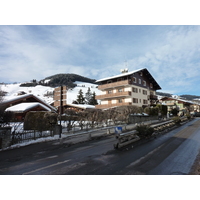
[
  {"x": 45, "y": 92},
  {"x": 72, "y": 93}
]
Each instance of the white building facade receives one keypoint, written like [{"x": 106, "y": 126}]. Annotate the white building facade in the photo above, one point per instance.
[{"x": 129, "y": 88}]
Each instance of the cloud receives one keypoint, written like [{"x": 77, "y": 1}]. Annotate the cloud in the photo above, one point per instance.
[{"x": 170, "y": 53}]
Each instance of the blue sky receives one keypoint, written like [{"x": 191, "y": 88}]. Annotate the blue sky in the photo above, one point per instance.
[{"x": 170, "y": 53}]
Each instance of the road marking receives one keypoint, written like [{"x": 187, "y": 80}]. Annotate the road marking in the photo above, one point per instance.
[
  {"x": 46, "y": 158},
  {"x": 58, "y": 163},
  {"x": 142, "y": 158},
  {"x": 53, "y": 156}
]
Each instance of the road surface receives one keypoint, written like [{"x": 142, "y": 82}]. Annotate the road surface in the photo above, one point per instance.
[{"x": 171, "y": 153}]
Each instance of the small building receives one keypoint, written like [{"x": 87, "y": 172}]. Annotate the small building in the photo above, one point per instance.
[
  {"x": 179, "y": 104},
  {"x": 22, "y": 104},
  {"x": 27, "y": 98},
  {"x": 20, "y": 110},
  {"x": 128, "y": 88}
]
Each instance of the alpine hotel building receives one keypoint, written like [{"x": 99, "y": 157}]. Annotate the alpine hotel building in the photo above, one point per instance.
[{"x": 129, "y": 88}]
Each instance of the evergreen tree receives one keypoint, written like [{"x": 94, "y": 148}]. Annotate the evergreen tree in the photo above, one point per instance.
[
  {"x": 93, "y": 100},
  {"x": 88, "y": 96},
  {"x": 80, "y": 97}
]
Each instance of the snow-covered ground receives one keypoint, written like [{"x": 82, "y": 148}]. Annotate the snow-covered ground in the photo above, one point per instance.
[{"x": 44, "y": 92}]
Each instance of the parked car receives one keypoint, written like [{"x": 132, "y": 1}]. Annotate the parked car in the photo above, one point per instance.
[{"x": 197, "y": 114}]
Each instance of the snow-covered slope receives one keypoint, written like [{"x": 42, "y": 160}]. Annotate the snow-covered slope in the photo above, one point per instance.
[
  {"x": 72, "y": 93},
  {"x": 46, "y": 93}
]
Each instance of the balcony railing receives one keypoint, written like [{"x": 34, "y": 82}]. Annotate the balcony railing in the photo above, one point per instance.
[
  {"x": 113, "y": 85},
  {"x": 105, "y": 106},
  {"x": 113, "y": 95},
  {"x": 153, "y": 97}
]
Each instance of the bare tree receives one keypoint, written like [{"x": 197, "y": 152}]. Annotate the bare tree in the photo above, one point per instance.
[
  {"x": 124, "y": 112},
  {"x": 82, "y": 118},
  {"x": 111, "y": 115},
  {"x": 70, "y": 116},
  {"x": 2, "y": 94}
]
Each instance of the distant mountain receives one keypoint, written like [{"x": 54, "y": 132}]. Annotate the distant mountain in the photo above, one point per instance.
[
  {"x": 164, "y": 94},
  {"x": 184, "y": 96},
  {"x": 59, "y": 80},
  {"x": 189, "y": 97},
  {"x": 65, "y": 79}
]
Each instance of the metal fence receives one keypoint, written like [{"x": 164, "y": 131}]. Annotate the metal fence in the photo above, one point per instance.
[{"x": 25, "y": 136}]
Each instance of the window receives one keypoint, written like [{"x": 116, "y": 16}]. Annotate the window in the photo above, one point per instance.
[
  {"x": 145, "y": 101},
  {"x": 109, "y": 91},
  {"x": 135, "y": 100},
  {"x": 151, "y": 85},
  {"x": 141, "y": 74},
  {"x": 144, "y": 83},
  {"x": 135, "y": 90},
  {"x": 144, "y": 92},
  {"x": 134, "y": 80},
  {"x": 120, "y": 90},
  {"x": 120, "y": 101},
  {"x": 139, "y": 81}
]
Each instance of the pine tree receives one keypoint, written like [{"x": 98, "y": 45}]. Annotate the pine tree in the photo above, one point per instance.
[
  {"x": 80, "y": 97},
  {"x": 93, "y": 100},
  {"x": 88, "y": 96}
]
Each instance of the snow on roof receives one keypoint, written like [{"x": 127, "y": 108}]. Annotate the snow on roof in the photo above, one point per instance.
[
  {"x": 120, "y": 75},
  {"x": 8, "y": 99},
  {"x": 23, "y": 107},
  {"x": 83, "y": 106},
  {"x": 15, "y": 98},
  {"x": 178, "y": 99}
]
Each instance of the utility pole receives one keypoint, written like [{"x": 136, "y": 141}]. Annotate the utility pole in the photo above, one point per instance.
[
  {"x": 61, "y": 108},
  {"x": 60, "y": 99}
]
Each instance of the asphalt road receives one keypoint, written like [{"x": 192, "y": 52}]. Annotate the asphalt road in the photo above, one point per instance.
[{"x": 170, "y": 153}]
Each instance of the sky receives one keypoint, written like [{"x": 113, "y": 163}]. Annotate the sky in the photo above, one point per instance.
[
  {"x": 170, "y": 53},
  {"x": 97, "y": 49}
]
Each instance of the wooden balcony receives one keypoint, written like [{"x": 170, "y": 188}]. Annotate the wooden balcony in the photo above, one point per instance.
[
  {"x": 153, "y": 97},
  {"x": 113, "y": 95},
  {"x": 106, "y": 106},
  {"x": 114, "y": 84}
]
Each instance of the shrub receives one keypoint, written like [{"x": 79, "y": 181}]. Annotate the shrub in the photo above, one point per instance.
[
  {"x": 188, "y": 116},
  {"x": 177, "y": 120},
  {"x": 40, "y": 120},
  {"x": 144, "y": 131},
  {"x": 174, "y": 111}
]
